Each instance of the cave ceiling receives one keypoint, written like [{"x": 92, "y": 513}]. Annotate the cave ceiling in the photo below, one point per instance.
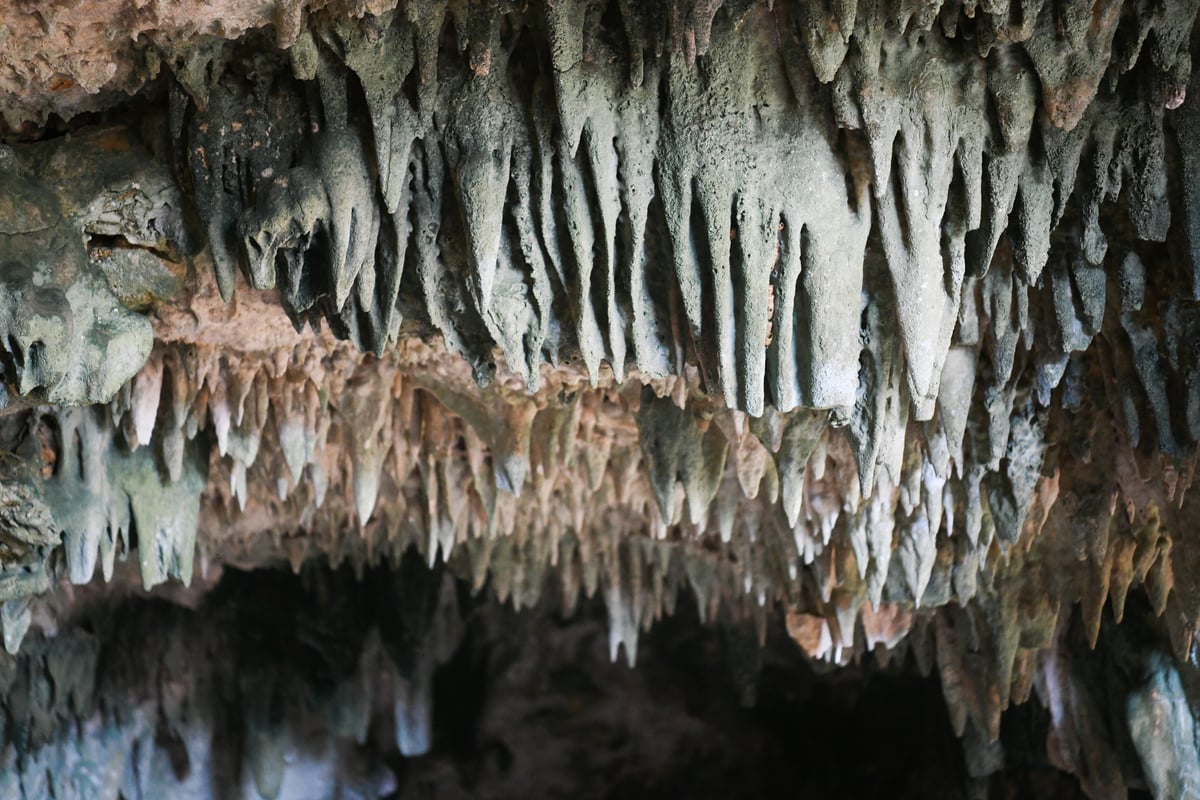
[{"x": 879, "y": 321}]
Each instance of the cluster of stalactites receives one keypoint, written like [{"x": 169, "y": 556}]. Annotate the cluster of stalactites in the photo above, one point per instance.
[
  {"x": 637, "y": 208},
  {"x": 557, "y": 205},
  {"x": 722, "y": 232},
  {"x": 903, "y": 217},
  {"x": 600, "y": 195},
  {"x": 953, "y": 249},
  {"x": 638, "y": 490}
]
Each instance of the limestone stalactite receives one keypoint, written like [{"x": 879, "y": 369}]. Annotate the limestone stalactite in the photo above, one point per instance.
[{"x": 881, "y": 317}]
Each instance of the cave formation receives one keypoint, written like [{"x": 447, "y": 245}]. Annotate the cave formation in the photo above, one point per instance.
[{"x": 576, "y": 398}]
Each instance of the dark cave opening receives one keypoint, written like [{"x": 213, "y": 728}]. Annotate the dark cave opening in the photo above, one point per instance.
[{"x": 269, "y": 681}]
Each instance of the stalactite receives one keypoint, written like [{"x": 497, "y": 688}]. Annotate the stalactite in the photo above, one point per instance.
[{"x": 873, "y": 313}]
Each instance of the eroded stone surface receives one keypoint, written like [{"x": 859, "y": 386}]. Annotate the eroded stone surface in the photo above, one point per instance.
[
  {"x": 65, "y": 57},
  {"x": 91, "y": 229}
]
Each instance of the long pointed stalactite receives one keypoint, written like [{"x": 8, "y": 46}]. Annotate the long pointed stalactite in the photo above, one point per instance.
[{"x": 878, "y": 318}]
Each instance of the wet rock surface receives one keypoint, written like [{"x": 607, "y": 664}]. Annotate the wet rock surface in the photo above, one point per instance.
[{"x": 876, "y": 321}]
